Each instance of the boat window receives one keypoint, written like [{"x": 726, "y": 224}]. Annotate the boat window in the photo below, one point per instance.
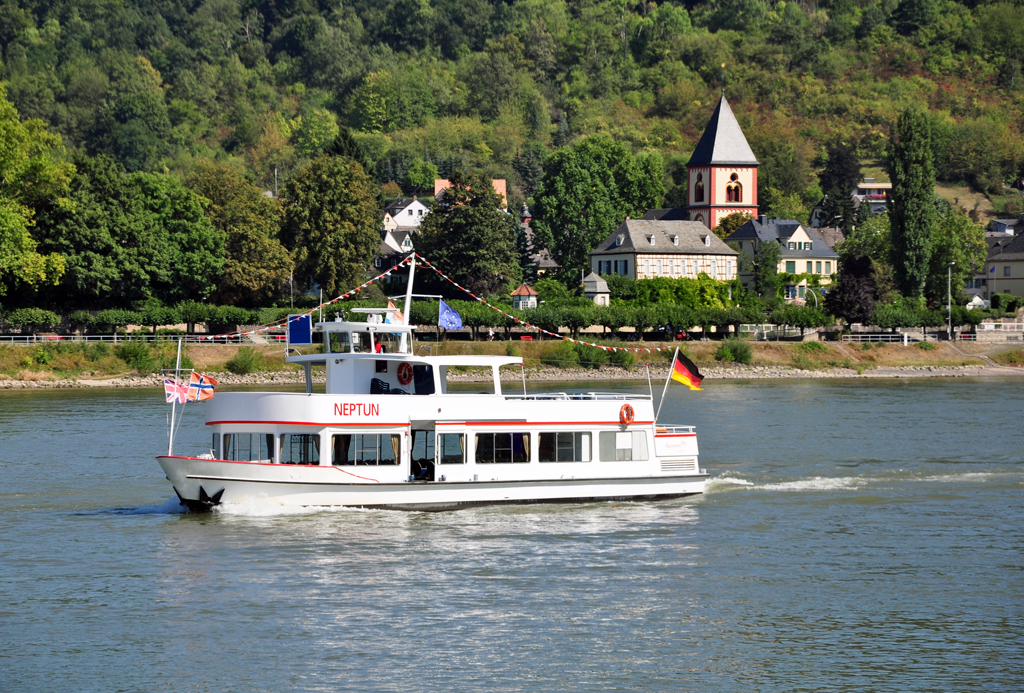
[
  {"x": 300, "y": 448},
  {"x": 564, "y": 447},
  {"x": 423, "y": 379},
  {"x": 338, "y": 343},
  {"x": 213, "y": 444},
  {"x": 423, "y": 446},
  {"x": 451, "y": 448},
  {"x": 249, "y": 447},
  {"x": 365, "y": 449},
  {"x": 498, "y": 448},
  {"x": 619, "y": 446}
]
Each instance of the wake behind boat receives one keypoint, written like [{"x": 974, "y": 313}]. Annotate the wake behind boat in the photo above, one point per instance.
[{"x": 387, "y": 433}]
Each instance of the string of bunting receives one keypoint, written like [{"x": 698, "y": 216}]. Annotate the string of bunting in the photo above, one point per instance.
[
  {"x": 348, "y": 294},
  {"x": 427, "y": 263}
]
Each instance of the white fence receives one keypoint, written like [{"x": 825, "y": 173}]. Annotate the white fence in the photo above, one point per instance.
[
  {"x": 900, "y": 338},
  {"x": 28, "y": 340}
]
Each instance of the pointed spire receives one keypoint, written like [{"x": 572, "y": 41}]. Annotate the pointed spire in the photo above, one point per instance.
[{"x": 723, "y": 141}]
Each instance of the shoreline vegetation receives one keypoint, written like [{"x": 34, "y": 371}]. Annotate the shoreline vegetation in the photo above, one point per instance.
[{"x": 22, "y": 368}]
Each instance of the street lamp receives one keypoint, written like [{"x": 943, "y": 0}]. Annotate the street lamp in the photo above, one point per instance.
[{"x": 949, "y": 301}]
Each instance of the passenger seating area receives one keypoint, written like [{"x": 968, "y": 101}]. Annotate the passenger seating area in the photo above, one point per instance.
[{"x": 381, "y": 387}]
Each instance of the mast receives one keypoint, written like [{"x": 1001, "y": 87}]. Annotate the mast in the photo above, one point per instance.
[
  {"x": 174, "y": 403},
  {"x": 408, "y": 301}
]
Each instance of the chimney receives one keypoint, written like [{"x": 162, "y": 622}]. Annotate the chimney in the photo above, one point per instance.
[{"x": 763, "y": 219}]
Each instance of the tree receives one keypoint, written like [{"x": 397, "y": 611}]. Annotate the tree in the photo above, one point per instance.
[
  {"x": 838, "y": 180},
  {"x": 587, "y": 190},
  {"x": 469, "y": 238},
  {"x": 32, "y": 172},
  {"x": 730, "y": 224},
  {"x": 331, "y": 223},
  {"x": 316, "y": 131},
  {"x": 957, "y": 239},
  {"x": 764, "y": 265},
  {"x": 257, "y": 265},
  {"x": 420, "y": 175},
  {"x": 130, "y": 236},
  {"x": 912, "y": 201},
  {"x": 854, "y": 295}
]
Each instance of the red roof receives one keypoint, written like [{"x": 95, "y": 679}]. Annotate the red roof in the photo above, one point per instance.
[{"x": 524, "y": 290}]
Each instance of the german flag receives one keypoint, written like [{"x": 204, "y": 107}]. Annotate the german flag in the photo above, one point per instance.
[{"x": 684, "y": 370}]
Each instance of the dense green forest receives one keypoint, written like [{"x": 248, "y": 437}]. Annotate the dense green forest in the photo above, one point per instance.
[{"x": 146, "y": 108}]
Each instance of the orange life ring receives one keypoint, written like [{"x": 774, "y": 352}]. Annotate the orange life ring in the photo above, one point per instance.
[
  {"x": 405, "y": 373},
  {"x": 626, "y": 414}
]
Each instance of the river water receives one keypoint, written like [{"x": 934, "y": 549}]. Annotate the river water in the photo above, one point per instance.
[{"x": 855, "y": 536}]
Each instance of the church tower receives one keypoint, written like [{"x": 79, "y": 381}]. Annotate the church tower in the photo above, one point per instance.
[{"x": 722, "y": 171}]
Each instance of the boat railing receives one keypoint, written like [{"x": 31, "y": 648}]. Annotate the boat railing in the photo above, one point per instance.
[
  {"x": 578, "y": 396},
  {"x": 670, "y": 430}
]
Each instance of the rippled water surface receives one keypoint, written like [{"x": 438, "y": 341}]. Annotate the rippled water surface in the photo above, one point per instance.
[{"x": 856, "y": 536}]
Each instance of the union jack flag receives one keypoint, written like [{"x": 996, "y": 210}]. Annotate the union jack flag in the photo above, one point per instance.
[{"x": 175, "y": 391}]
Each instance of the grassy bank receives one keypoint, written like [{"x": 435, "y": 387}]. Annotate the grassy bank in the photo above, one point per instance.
[{"x": 98, "y": 361}]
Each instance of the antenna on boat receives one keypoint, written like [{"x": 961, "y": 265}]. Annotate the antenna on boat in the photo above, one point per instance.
[
  {"x": 408, "y": 302},
  {"x": 671, "y": 365}
]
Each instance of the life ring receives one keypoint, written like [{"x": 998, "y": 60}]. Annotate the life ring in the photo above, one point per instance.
[
  {"x": 626, "y": 414},
  {"x": 405, "y": 373}
]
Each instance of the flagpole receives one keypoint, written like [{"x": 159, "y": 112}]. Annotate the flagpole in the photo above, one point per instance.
[
  {"x": 174, "y": 402},
  {"x": 408, "y": 302},
  {"x": 671, "y": 367}
]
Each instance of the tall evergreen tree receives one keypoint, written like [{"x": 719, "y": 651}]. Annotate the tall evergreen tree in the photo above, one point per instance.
[
  {"x": 912, "y": 200},
  {"x": 838, "y": 180}
]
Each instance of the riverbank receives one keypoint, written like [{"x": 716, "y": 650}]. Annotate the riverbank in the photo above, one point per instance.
[{"x": 550, "y": 374}]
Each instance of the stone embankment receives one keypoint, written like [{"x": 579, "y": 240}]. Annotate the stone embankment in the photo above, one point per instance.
[{"x": 535, "y": 374}]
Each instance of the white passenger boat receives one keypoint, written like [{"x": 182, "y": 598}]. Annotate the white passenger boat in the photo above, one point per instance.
[{"x": 387, "y": 432}]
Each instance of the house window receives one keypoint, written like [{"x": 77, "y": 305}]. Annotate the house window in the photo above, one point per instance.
[
  {"x": 410, "y": 212},
  {"x": 419, "y": 212},
  {"x": 734, "y": 189},
  {"x": 650, "y": 239},
  {"x": 647, "y": 266},
  {"x": 564, "y": 447},
  {"x": 800, "y": 291},
  {"x": 1006, "y": 271},
  {"x": 828, "y": 267},
  {"x": 698, "y": 190},
  {"x": 714, "y": 269},
  {"x": 740, "y": 244},
  {"x": 376, "y": 262},
  {"x": 675, "y": 240},
  {"x": 791, "y": 266},
  {"x": 810, "y": 270},
  {"x": 817, "y": 268},
  {"x": 618, "y": 241},
  {"x": 808, "y": 246},
  {"x": 502, "y": 448},
  {"x": 792, "y": 245},
  {"x": 731, "y": 267}
]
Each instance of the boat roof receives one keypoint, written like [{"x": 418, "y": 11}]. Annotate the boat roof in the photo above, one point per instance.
[
  {"x": 469, "y": 360},
  {"x": 388, "y": 327}
]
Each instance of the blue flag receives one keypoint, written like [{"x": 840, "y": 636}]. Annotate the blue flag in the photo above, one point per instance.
[{"x": 448, "y": 318}]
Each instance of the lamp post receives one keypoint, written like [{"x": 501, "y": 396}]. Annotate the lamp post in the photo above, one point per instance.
[{"x": 949, "y": 301}]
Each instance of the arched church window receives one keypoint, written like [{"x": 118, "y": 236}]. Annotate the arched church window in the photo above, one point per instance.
[
  {"x": 698, "y": 188},
  {"x": 734, "y": 189}
]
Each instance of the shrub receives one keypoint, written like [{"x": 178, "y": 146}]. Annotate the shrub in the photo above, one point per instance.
[
  {"x": 926, "y": 346},
  {"x": 138, "y": 356},
  {"x": 511, "y": 349},
  {"x": 591, "y": 357},
  {"x": 561, "y": 355},
  {"x": 97, "y": 351},
  {"x": 813, "y": 347},
  {"x": 802, "y": 362},
  {"x": 246, "y": 361},
  {"x": 735, "y": 350},
  {"x": 43, "y": 356},
  {"x": 622, "y": 359}
]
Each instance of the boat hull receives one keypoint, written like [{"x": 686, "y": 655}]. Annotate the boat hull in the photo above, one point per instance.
[{"x": 198, "y": 481}]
